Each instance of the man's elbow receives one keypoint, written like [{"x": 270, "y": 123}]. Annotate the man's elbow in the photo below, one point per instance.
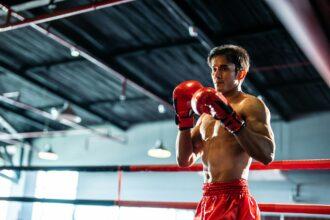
[
  {"x": 183, "y": 163},
  {"x": 268, "y": 159},
  {"x": 269, "y": 154}
]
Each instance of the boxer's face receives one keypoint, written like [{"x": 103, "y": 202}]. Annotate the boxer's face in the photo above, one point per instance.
[{"x": 223, "y": 74}]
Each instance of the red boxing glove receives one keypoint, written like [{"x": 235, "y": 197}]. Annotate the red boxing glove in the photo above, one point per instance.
[
  {"x": 208, "y": 100},
  {"x": 182, "y": 95}
]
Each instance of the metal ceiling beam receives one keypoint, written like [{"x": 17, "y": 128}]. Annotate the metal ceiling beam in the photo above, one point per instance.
[
  {"x": 28, "y": 5},
  {"x": 179, "y": 9},
  {"x": 119, "y": 52},
  {"x": 152, "y": 47},
  {"x": 39, "y": 134},
  {"x": 97, "y": 61},
  {"x": 58, "y": 94},
  {"x": 12, "y": 131},
  {"x": 63, "y": 121},
  {"x": 6, "y": 125},
  {"x": 103, "y": 101},
  {"x": 46, "y": 65},
  {"x": 31, "y": 121},
  {"x": 300, "y": 20},
  {"x": 111, "y": 65},
  {"x": 59, "y": 14}
]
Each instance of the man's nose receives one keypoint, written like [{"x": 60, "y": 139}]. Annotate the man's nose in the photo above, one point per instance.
[{"x": 217, "y": 73}]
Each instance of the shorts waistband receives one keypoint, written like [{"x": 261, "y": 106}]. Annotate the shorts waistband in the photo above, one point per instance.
[{"x": 238, "y": 186}]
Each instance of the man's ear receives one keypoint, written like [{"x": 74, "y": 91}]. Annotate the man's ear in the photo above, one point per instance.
[{"x": 241, "y": 74}]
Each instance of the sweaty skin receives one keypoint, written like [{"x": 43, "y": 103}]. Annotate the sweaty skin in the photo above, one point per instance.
[{"x": 226, "y": 156}]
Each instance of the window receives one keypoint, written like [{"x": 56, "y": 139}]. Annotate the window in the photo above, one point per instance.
[
  {"x": 55, "y": 185},
  {"x": 5, "y": 186}
]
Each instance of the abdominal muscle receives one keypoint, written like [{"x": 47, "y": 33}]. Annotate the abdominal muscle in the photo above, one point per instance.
[{"x": 223, "y": 158}]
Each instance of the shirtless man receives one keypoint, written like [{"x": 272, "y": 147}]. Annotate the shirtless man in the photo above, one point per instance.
[{"x": 233, "y": 128}]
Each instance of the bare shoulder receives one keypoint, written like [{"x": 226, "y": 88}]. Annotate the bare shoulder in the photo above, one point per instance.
[{"x": 254, "y": 107}]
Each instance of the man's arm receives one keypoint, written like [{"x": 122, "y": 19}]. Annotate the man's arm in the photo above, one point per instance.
[
  {"x": 189, "y": 145},
  {"x": 257, "y": 138}
]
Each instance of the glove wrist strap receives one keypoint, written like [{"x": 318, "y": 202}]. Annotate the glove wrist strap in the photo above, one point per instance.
[{"x": 184, "y": 123}]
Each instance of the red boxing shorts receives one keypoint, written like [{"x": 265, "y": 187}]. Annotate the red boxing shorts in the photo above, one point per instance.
[{"x": 227, "y": 201}]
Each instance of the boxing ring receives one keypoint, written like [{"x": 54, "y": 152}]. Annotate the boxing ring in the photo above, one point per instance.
[{"x": 286, "y": 165}]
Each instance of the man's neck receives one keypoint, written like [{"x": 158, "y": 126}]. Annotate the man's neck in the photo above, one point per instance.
[{"x": 232, "y": 94}]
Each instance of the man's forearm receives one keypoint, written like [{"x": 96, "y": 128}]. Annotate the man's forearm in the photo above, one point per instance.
[
  {"x": 258, "y": 146},
  {"x": 184, "y": 149}
]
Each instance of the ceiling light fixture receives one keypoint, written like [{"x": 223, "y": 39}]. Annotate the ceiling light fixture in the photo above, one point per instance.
[
  {"x": 159, "y": 151},
  {"x": 74, "y": 52},
  {"x": 192, "y": 31},
  {"x": 161, "y": 109},
  {"x": 66, "y": 112},
  {"x": 48, "y": 154}
]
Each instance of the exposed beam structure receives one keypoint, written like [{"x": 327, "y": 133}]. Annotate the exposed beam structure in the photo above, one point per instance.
[
  {"x": 51, "y": 64},
  {"x": 24, "y": 5},
  {"x": 6, "y": 125},
  {"x": 102, "y": 101},
  {"x": 59, "y": 14},
  {"x": 109, "y": 63},
  {"x": 63, "y": 121},
  {"x": 12, "y": 131},
  {"x": 152, "y": 47},
  {"x": 180, "y": 9},
  {"x": 34, "y": 122},
  {"x": 97, "y": 61},
  {"x": 52, "y": 134},
  {"x": 56, "y": 93},
  {"x": 120, "y": 52}
]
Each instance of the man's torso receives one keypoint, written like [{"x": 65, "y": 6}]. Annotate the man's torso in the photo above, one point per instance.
[{"x": 222, "y": 156}]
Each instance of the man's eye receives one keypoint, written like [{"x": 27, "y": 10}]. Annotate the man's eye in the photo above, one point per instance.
[{"x": 223, "y": 68}]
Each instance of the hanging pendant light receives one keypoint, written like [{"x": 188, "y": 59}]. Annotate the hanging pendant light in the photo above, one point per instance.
[
  {"x": 48, "y": 154},
  {"x": 159, "y": 151}
]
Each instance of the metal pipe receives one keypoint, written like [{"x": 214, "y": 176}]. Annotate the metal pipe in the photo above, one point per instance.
[
  {"x": 92, "y": 59},
  {"x": 60, "y": 120},
  {"x": 59, "y": 14},
  {"x": 299, "y": 19}
]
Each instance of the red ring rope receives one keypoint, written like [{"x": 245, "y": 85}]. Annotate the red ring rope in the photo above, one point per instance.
[
  {"x": 264, "y": 207},
  {"x": 316, "y": 164}
]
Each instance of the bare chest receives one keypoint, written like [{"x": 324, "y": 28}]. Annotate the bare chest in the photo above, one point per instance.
[{"x": 212, "y": 129}]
